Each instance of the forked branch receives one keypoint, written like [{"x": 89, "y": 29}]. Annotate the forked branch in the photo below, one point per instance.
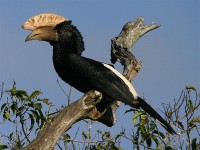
[{"x": 121, "y": 47}]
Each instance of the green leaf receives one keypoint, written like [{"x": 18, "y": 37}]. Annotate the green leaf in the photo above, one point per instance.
[
  {"x": 144, "y": 134},
  {"x": 143, "y": 130},
  {"x": 100, "y": 146},
  {"x": 20, "y": 110},
  {"x": 41, "y": 114},
  {"x": 84, "y": 135},
  {"x": 14, "y": 107},
  {"x": 194, "y": 144},
  {"x": 190, "y": 106},
  {"x": 181, "y": 125},
  {"x": 136, "y": 138},
  {"x": 46, "y": 101},
  {"x": 4, "y": 105},
  {"x": 3, "y": 147},
  {"x": 149, "y": 142},
  {"x": 21, "y": 94},
  {"x": 136, "y": 115},
  {"x": 106, "y": 135},
  {"x": 191, "y": 88},
  {"x": 193, "y": 122},
  {"x": 11, "y": 136},
  {"x": 196, "y": 120},
  {"x": 32, "y": 121},
  {"x": 168, "y": 148},
  {"x": 99, "y": 131},
  {"x": 34, "y": 95},
  {"x": 159, "y": 133},
  {"x": 143, "y": 120},
  {"x": 117, "y": 136},
  {"x": 11, "y": 91},
  {"x": 152, "y": 126},
  {"x": 162, "y": 135},
  {"x": 36, "y": 116},
  {"x": 6, "y": 115},
  {"x": 66, "y": 137},
  {"x": 92, "y": 147},
  {"x": 38, "y": 106},
  {"x": 155, "y": 139},
  {"x": 169, "y": 115},
  {"x": 139, "y": 113},
  {"x": 134, "y": 121},
  {"x": 42, "y": 118},
  {"x": 31, "y": 104}
]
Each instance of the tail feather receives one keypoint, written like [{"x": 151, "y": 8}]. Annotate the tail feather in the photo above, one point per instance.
[{"x": 147, "y": 108}]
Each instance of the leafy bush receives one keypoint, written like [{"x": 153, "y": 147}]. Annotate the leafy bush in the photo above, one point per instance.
[{"x": 25, "y": 112}]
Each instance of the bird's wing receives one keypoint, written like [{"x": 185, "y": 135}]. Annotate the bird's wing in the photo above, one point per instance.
[{"x": 106, "y": 79}]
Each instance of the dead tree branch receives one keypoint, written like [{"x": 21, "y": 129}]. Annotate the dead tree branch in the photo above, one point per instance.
[{"x": 121, "y": 47}]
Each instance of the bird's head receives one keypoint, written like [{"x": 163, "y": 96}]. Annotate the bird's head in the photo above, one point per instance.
[{"x": 56, "y": 30}]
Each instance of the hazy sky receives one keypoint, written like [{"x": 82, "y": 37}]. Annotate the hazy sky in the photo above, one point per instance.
[{"x": 170, "y": 54}]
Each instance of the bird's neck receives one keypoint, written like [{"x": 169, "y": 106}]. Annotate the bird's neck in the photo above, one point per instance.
[
  {"x": 64, "y": 63},
  {"x": 60, "y": 55},
  {"x": 68, "y": 44}
]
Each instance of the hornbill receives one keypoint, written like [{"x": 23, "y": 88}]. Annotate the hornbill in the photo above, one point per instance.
[{"x": 83, "y": 73}]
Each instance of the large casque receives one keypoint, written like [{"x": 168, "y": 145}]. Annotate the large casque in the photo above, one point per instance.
[{"x": 43, "y": 20}]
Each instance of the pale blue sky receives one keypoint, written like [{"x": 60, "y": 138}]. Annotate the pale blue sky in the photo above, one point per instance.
[{"x": 170, "y": 54}]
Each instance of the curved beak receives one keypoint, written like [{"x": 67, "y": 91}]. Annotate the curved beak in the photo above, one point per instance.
[{"x": 43, "y": 34}]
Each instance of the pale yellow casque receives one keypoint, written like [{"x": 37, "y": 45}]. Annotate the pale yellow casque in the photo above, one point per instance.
[{"x": 43, "y": 20}]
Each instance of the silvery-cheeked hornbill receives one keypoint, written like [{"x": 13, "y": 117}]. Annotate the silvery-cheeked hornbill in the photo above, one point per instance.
[{"x": 83, "y": 73}]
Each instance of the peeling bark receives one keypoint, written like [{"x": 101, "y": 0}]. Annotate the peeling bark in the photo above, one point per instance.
[{"x": 121, "y": 51}]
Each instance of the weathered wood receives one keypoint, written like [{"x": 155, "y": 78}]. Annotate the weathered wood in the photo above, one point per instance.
[
  {"x": 122, "y": 44},
  {"x": 121, "y": 47}
]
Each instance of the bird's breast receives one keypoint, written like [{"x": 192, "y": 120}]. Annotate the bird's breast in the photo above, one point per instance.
[{"x": 67, "y": 70}]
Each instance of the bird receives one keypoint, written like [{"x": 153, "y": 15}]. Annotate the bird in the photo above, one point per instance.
[{"x": 82, "y": 73}]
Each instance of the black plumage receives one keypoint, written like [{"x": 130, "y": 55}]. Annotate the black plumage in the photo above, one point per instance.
[
  {"x": 86, "y": 74},
  {"x": 83, "y": 73}
]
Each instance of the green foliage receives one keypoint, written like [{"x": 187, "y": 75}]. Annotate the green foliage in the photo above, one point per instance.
[
  {"x": 194, "y": 144},
  {"x": 149, "y": 135},
  {"x": 26, "y": 112},
  {"x": 191, "y": 88},
  {"x": 147, "y": 132},
  {"x": 22, "y": 109},
  {"x": 3, "y": 147},
  {"x": 184, "y": 114},
  {"x": 107, "y": 142}
]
